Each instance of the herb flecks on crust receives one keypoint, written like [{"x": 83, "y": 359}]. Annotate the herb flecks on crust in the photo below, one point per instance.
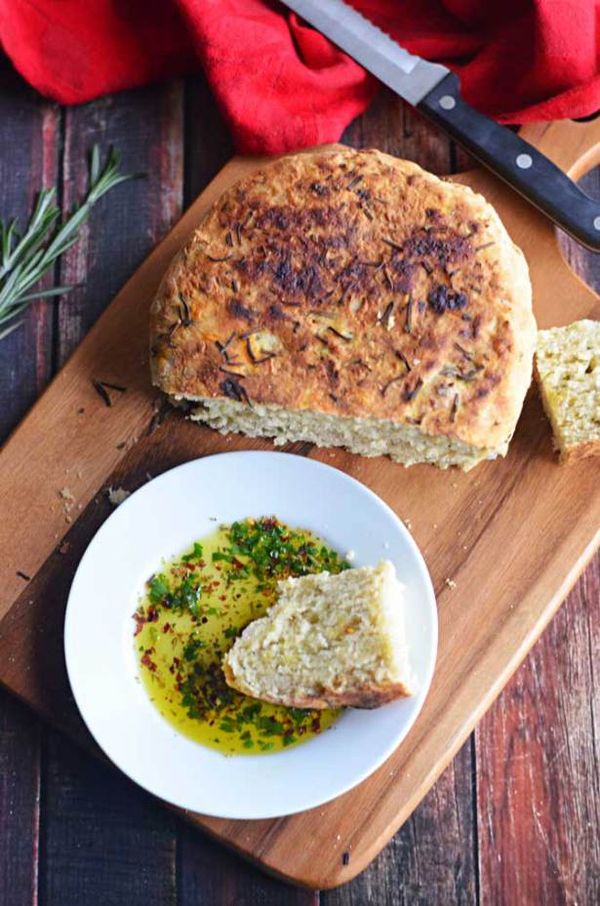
[{"x": 308, "y": 281}]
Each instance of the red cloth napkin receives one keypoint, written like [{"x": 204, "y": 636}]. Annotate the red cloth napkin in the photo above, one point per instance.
[{"x": 280, "y": 84}]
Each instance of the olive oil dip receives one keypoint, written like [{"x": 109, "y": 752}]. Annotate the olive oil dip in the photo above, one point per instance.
[{"x": 192, "y": 612}]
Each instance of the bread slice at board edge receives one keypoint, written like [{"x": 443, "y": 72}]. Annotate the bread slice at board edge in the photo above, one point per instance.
[{"x": 567, "y": 369}]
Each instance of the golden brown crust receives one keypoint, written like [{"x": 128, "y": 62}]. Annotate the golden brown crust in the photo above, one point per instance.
[
  {"x": 366, "y": 697},
  {"x": 352, "y": 283},
  {"x": 582, "y": 451}
]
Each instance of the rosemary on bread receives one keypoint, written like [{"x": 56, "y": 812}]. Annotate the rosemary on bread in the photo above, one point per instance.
[{"x": 292, "y": 314}]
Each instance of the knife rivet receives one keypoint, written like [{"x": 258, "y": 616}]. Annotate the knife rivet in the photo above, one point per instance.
[
  {"x": 524, "y": 161},
  {"x": 447, "y": 102},
  {"x": 597, "y": 223}
]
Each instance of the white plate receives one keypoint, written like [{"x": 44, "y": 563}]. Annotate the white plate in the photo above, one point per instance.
[{"x": 161, "y": 520}]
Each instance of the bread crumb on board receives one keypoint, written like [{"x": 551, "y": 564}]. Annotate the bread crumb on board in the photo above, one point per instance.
[
  {"x": 117, "y": 495},
  {"x": 68, "y": 500},
  {"x": 450, "y": 583}
]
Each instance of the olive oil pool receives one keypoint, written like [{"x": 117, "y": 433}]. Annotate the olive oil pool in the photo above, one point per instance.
[{"x": 192, "y": 612}]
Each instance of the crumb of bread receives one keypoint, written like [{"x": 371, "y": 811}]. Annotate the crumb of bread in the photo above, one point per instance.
[
  {"x": 117, "y": 495},
  {"x": 350, "y": 556},
  {"x": 68, "y": 501},
  {"x": 329, "y": 640},
  {"x": 567, "y": 368},
  {"x": 450, "y": 583},
  {"x": 367, "y": 436}
]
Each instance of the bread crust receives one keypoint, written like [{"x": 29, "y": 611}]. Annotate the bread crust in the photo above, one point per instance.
[
  {"x": 570, "y": 455},
  {"x": 352, "y": 283},
  {"x": 368, "y": 696}
]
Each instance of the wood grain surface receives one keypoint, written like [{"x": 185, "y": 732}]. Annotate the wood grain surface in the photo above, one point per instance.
[{"x": 476, "y": 837}]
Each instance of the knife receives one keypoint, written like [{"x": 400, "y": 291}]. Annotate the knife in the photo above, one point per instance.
[{"x": 435, "y": 91}]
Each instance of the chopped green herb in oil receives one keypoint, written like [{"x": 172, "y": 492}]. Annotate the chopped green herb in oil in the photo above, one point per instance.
[{"x": 191, "y": 614}]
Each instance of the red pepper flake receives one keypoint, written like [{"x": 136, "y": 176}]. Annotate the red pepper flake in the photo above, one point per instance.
[
  {"x": 167, "y": 628},
  {"x": 147, "y": 661},
  {"x": 139, "y": 620},
  {"x": 152, "y": 614}
]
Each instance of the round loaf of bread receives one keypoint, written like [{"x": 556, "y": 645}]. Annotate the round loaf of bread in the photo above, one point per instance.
[{"x": 349, "y": 298}]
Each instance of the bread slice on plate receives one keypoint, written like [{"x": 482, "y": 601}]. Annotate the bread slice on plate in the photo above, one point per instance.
[
  {"x": 567, "y": 368},
  {"x": 328, "y": 641},
  {"x": 351, "y": 299}
]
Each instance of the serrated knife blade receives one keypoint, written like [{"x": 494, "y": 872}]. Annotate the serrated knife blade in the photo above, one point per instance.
[
  {"x": 436, "y": 92},
  {"x": 409, "y": 76}
]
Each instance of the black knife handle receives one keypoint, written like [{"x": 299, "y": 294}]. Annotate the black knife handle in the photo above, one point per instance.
[{"x": 516, "y": 161}]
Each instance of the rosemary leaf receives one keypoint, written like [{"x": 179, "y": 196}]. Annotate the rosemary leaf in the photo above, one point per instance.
[{"x": 25, "y": 258}]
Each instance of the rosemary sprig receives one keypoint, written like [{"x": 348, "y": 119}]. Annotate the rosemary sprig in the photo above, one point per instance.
[{"x": 24, "y": 259}]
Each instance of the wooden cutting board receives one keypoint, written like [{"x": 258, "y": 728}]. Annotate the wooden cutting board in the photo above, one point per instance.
[{"x": 504, "y": 543}]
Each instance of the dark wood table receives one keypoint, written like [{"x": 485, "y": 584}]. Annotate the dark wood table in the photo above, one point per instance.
[{"x": 515, "y": 818}]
